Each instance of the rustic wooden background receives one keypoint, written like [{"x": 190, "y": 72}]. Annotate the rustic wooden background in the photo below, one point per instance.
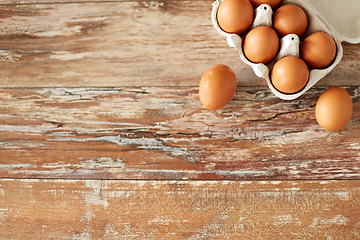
[{"x": 103, "y": 136}]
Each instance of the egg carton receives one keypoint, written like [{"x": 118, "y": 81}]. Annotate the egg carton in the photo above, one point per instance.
[{"x": 289, "y": 44}]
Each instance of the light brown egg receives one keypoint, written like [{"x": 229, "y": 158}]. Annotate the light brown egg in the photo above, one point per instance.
[
  {"x": 272, "y": 3},
  {"x": 334, "y": 109},
  {"x": 217, "y": 87},
  {"x": 290, "y": 19},
  {"x": 289, "y": 74},
  {"x": 318, "y": 50},
  {"x": 261, "y": 44},
  {"x": 235, "y": 16}
]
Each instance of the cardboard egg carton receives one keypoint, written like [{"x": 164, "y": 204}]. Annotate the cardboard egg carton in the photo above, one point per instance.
[{"x": 290, "y": 44}]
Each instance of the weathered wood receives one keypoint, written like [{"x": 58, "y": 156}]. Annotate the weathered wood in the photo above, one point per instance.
[
  {"x": 30, "y": 2},
  {"x": 92, "y": 91},
  {"x": 111, "y": 44},
  {"x": 95, "y": 209},
  {"x": 165, "y": 133},
  {"x": 168, "y": 43}
]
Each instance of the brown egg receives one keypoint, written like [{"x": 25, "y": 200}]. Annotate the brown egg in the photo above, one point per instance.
[
  {"x": 334, "y": 109},
  {"x": 289, "y": 74},
  {"x": 290, "y": 19},
  {"x": 217, "y": 87},
  {"x": 235, "y": 16},
  {"x": 318, "y": 50},
  {"x": 261, "y": 44},
  {"x": 272, "y": 3}
]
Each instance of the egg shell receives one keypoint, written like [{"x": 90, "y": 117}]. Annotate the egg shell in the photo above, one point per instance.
[
  {"x": 334, "y": 109},
  {"x": 290, "y": 74},
  {"x": 273, "y": 3},
  {"x": 261, "y": 44},
  {"x": 235, "y": 16},
  {"x": 318, "y": 50},
  {"x": 217, "y": 87},
  {"x": 289, "y": 44},
  {"x": 290, "y": 19}
]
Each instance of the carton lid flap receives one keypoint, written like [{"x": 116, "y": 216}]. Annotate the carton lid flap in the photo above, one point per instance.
[{"x": 342, "y": 16}]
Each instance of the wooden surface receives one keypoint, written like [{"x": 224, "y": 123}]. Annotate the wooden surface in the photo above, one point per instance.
[
  {"x": 103, "y": 136},
  {"x": 97, "y": 209}
]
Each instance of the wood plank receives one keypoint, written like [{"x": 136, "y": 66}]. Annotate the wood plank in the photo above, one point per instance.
[
  {"x": 168, "y": 43},
  {"x": 111, "y": 44},
  {"x": 30, "y": 2},
  {"x": 165, "y": 133},
  {"x": 95, "y": 209}
]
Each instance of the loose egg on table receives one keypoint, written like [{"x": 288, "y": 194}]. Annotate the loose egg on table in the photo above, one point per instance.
[
  {"x": 334, "y": 109},
  {"x": 217, "y": 87}
]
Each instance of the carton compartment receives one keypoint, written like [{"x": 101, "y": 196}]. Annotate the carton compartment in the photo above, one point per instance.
[{"x": 289, "y": 44}]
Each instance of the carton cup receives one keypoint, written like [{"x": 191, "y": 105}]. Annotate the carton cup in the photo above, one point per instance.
[{"x": 323, "y": 16}]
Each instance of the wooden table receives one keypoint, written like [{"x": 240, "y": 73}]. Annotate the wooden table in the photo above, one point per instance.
[{"x": 103, "y": 136}]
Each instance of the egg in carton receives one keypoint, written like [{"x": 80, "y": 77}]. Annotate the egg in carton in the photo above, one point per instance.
[{"x": 289, "y": 44}]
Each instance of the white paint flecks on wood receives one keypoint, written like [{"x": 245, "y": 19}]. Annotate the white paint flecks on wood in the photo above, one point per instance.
[
  {"x": 123, "y": 43},
  {"x": 120, "y": 43},
  {"x": 112, "y": 103},
  {"x": 101, "y": 209},
  {"x": 165, "y": 133},
  {"x": 95, "y": 196}
]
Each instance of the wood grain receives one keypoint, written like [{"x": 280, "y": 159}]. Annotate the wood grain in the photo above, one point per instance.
[
  {"x": 165, "y": 133},
  {"x": 110, "y": 44},
  {"x": 31, "y": 2},
  {"x": 167, "y": 43},
  {"x": 48, "y": 209},
  {"x": 103, "y": 136}
]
